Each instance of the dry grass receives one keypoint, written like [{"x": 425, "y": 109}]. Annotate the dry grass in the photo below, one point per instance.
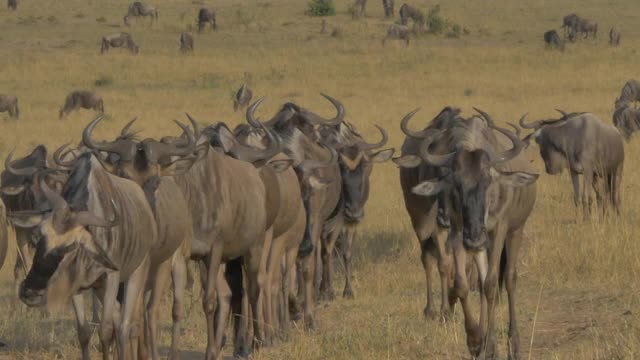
[{"x": 578, "y": 279}]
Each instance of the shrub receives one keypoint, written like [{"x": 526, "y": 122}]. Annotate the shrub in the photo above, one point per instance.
[
  {"x": 321, "y": 8},
  {"x": 436, "y": 24},
  {"x": 103, "y": 80}
]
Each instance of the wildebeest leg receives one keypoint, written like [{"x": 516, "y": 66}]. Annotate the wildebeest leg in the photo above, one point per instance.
[
  {"x": 491, "y": 288},
  {"x": 587, "y": 182},
  {"x": 288, "y": 287},
  {"x": 616, "y": 189},
  {"x": 575, "y": 180},
  {"x": 600, "y": 189},
  {"x": 109, "y": 305},
  {"x": 84, "y": 332},
  {"x": 511, "y": 276},
  {"x": 134, "y": 290},
  {"x": 239, "y": 307},
  {"x": 307, "y": 273},
  {"x": 444, "y": 269},
  {"x": 329, "y": 244},
  {"x": 209, "y": 298},
  {"x": 426, "y": 256},
  {"x": 269, "y": 247},
  {"x": 158, "y": 281},
  {"x": 179, "y": 276},
  {"x": 347, "y": 243},
  {"x": 481, "y": 262},
  {"x": 95, "y": 308},
  {"x": 222, "y": 310}
]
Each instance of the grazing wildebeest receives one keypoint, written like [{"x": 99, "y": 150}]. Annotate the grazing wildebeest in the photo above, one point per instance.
[
  {"x": 82, "y": 99},
  {"x": 242, "y": 98},
  {"x": 169, "y": 255},
  {"x": 627, "y": 120},
  {"x": 570, "y": 22},
  {"x": 428, "y": 215},
  {"x": 356, "y": 160},
  {"x": 139, "y": 9},
  {"x": 12, "y": 4},
  {"x": 552, "y": 39},
  {"x": 409, "y": 12},
  {"x": 614, "y": 37},
  {"x": 321, "y": 187},
  {"x": 586, "y": 146},
  {"x": 9, "y": 103},
  {"x": 395, "y": 31},
  {"x": 97, "y": 234},
  {"x": 357, "y": 9},
  {"x": 388, "y": 6},
  {"x": 630, "y": 93},
  {"x": 206, "y": 16},
  {"x": 588, "y": 27},
  {"x": 186, "y": 42},
  {"x": 119, "y": 40},
  {"x": 492, "y": 192}
]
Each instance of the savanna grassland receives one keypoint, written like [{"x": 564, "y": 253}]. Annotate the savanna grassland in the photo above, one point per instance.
[{"x": 579, "y": 294}]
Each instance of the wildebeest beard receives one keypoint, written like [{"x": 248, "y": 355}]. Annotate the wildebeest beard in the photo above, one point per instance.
[{"x": 44, "y": 265}]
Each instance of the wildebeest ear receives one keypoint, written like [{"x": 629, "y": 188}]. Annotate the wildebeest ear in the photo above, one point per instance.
[
  {"x": 26, "y": 221},
  {"x": 429, "y": 188},
  {"x": 515, "y": 179},
  {"x": 408, "y": 161},
  {"x": 382, "y": 155},
  {"x": 12, "y": 190},
  {"x": 317, "y": 182},
  {"x": 280, "y": 165}
]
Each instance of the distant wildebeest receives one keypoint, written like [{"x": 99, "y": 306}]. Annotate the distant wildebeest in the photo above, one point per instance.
[
  {"x": 400, "y": 32},
  {"x": 82, "y": 99},
  {"x": 119, "y": 40},
  {"x": 630, "y": 93},
  {"x": 96, "y": 234},
  {"x": 4, "y": 233},
  {"x": 409, "y": 12},
  {"x": 9, "y": 103},
  {"x": 570, "y": 22},
  {"x": 588, "y": 27},
  {"x": 388, "y": 6},
  {"x": 552, "y": 39},
  {"x": 206, "y": 16},
  {"x": 614, "y": 37},
  {"x": 12, "y": 4},
  {"x": 586, "y": 146},
  {"x": 627, "y": 120},
  {"x": 491, "y": 188},
  {"x": 186, "y": 42},
  {"x": 242, "y": 98},
  {"x": 357, "y": 9},
  {"x": 139, "y": 9}
]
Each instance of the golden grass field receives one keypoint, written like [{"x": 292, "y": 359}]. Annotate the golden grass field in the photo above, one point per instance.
[{"x": 579, "y": 293}]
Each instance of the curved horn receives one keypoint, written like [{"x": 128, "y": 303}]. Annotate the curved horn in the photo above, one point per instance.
[
  {"x": 534, "y": 125},
  {"x": 125, "y": 129},
  {"x": 316, "y": 119},
  {"x": 564, "y": 114},
  {"x": 404, "y": 126},
  {"x": 518, "y": 145},
  {"x": 367, "y": 146},
  {"x": 432, "y": 159},
  {"x": 516, "y": 128},
  {"x": 486, "y": 117},
  {"x": 88, "y": 141},
  {"x": 250, "y": 110},
  {"x": 87, "y": 218},
  {"x": 191, "y": 141},
  {"x": 26, "y": 171},
  {"x": 58, "y": 202},
  {"x": 312, "y": 164},
  {"x": 58, "y": 155},
  {"x": 194, "y": 124}
]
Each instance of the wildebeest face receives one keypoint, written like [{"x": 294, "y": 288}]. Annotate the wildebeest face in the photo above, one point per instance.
[
  {"x": 355, "y": 169},
  {"x": 552, "y": 155}
]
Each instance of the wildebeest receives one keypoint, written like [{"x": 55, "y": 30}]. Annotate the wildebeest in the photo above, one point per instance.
[
  {"x": 614, "y": 37},
  {"x": 388, "y": 6},
  {"x": 4, "y": 233},
  {"x": 492, "y": 192},
  {"x": 12, "y": 4},
  {"x": 9, "y": 103},
  {"x": 242, "y": 98},
  {"x": 356, "y": 159},
  {"x": 186, "y": 42},
  {"x": 139, "y": 9},
  {"x": 119, "y": 40},
  {"x": 395, "y": 31},
  {"x": 82, "y": 99},
  {"x": 357, "y": 9},
  {"x": 627, "y": 120},
  {"x": 169, "y": 255},
  {"x": 586, "y": 146},
  {"x": 588, "y": 27},
  {"x": 409, "y": 12},
  {"x": 569, "y": 23},
  {"x": 206, "y": 16},
  {"x": 97, "y": 234},
  {"x": 630, "y": 93},
  {"x": 552, "y": 39}
]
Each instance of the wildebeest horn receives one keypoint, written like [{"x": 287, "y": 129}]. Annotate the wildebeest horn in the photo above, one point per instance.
[
  {"x": 516, "y": 128},
  {"x": 194, "y": 124},
  {"x": 58, "y": 155},
  {"x": 367, "y": 146},
  {"x": 539, "y": 123},
  {"x": 432, "y": 159},
  {"x": 125, "y": 129},
  {"x": 60, "y": 207},
  {"x": 518, "y": 145},
  {"x": 310, "y": 164},
  {"x": 404, "y": 126},
  {"x": 183, "y": 149},
  {"x": 247, "y": 153},
  {"x": 486, "y": 117},
  {"x": 111, "y": 147},
  {"x": 316, "y": 119},
  {"x": 26, "y": 171},
  {"x": 250, "y": 111},
  {"x": 87, "y": 218},
  {"x": 561, "y": 112}
]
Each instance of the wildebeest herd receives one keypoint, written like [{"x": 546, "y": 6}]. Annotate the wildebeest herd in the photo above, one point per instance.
[
  {"x": 260, "y": 210},
  {"x": 574, "y": 27}
]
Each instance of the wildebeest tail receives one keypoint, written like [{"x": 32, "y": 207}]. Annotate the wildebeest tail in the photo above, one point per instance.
[
  {"x": 17, "y": 110},
  {"x": 503, "y": 269}
]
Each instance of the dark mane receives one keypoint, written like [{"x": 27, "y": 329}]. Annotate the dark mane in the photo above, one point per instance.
[{"x": 76, "y": 190}]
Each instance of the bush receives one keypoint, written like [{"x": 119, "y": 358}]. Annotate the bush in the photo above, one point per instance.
[
  {"x": 103, "y": 80},
  {"x": 436, "y": 24},
  {"x": 321, "y": 8}
]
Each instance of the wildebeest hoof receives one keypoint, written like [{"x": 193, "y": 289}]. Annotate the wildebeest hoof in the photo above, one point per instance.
[
  {"x": 443, "y": 221},
  {"x": 243, "y": 353},
  {"x": 348, "y": 294},
  {"x": 446, "y": 316},
  {"x": 296, "y": 316},
  {"x": 310, "y": 324},
  {"x": 429, "y": 314},
  {"x": 327, "y": 296}
]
